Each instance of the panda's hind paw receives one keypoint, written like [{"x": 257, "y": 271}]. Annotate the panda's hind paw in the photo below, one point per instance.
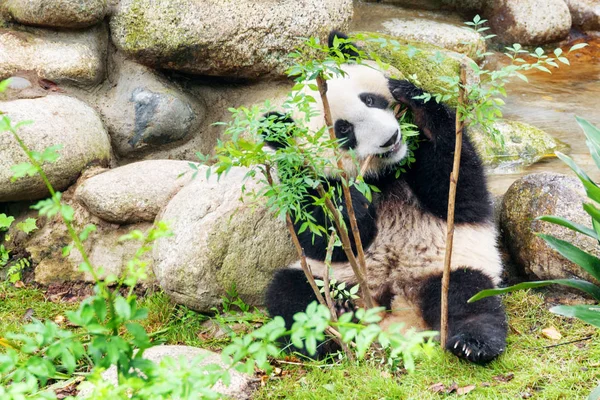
[
  {"x": 343, "y": 306},
  {"x": 472, "y": 349}
]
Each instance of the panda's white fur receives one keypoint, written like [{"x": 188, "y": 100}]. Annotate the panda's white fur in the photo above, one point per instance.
[{"x": 408, "y": 249}]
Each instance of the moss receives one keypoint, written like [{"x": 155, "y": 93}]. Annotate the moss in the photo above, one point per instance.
[
  {"x": 425, "y": 63},
  {"x": 521, "y": 145}
]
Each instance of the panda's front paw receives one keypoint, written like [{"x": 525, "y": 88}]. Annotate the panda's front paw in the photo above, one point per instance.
[
  {"x": 476, "y": 350},
  {"x": 404, "y": 92}
]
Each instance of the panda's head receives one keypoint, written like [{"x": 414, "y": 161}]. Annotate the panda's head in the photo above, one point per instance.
[
  {"x": 360, "y": 103},
  {"x": 363, "y": 119}
]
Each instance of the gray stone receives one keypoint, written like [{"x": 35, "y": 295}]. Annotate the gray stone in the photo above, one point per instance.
[
  {"x": 585, "y": 14},
  {"x": 134, "y": 192},
  {"x": 57, "y": 120},
  {"x": 438, "y": 28},
  {"x": 540, "y": 194},
  {"x": 18, "y": 83},
  {"x": 529, "y": 22},
  {"x": 218, "y": 241},
  {"x": 63, "y": 57},
  {"x": 521, "y": 145},
  {"x": 144, "y": 111},
  {"x": 240, "y": 387},
  {"x": 55, "y": 13},
  {"x": 241, "y": 38}
]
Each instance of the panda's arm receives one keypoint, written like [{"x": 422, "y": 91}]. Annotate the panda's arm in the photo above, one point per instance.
[
  {"x": 429, "y": 176},
  {"x": 316, "y": 246}
]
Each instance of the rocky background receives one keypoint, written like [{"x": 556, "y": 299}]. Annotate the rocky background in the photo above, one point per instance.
[{"x": 132, "y": 88}]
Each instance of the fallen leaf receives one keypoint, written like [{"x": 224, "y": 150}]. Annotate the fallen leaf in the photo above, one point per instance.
[
  {"x": 551, "y": 333},
  {"x": 465, "y": 390},
  {"x": 452, "y": 388},
  {"x": 59, "y": 319},
  {"x": 28, "y": 314},
  {"x": 19, "y": 284},
  {"x": 485, "y": 384},
  {"x": 49, "y": 85},
  {"x": 386, "y": 375},
  {"x": 504, "y": 378},
  {"x": 437, "y": 387},
  {"x": 526, "y": 395}
]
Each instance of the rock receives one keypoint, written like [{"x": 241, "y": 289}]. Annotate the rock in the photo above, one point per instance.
[
  {"x": 57, "y": 120},
  {"x": 460, "y": 40},
  {"x": 529, "y": 22},
  {"x": 438, "y": 28},
  {"x": 585, "y": 14},
  {"x": 134, "y": 192},
  {"x": 242, "y": 38},
  {"x": 18, "y": 83},
  {"x": 426, "y": 62},
  {"x": 522, "y": 146},
  {"x": 240, "y": 387},
  {"x": 540, "y": 194},
  {"x": 217, "y": 242},
  {"x": 62, "y": 57},
  {"x": 104, "y": 247},
  {"x": 55, "y": 13},
  {"x": 144, "y": 111},
  {"x": 218, "y": 97}
]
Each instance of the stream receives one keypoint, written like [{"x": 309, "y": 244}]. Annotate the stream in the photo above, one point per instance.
[{"x": 549, "y": 101}]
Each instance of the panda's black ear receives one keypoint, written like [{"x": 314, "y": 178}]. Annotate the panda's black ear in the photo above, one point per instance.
[
  {"x": 275, "y": 127},
  {"x": 345, "y": 47}
]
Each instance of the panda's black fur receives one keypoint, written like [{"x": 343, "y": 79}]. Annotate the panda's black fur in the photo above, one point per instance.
[{"x": 403, "y": 231}]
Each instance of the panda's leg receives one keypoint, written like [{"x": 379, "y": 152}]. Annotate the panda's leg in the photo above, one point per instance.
[
  {"x": 476, "y": 331},
  {"x": 289, "y": 293}
]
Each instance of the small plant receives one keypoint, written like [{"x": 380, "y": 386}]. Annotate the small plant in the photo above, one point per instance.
[{"x": 14, "y": 267}]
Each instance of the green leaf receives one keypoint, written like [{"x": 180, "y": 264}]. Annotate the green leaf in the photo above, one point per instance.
[
  {"x": 122, "y": 308},
  {"x": 577, "y": 46},
  {"x": 574, "y": 254},
  {"x": 592, "y": 190},
  {"x": 26, "y": 226},
  {"x": 568, "y": 224},
  {"x": 584, "y": 286},
  {"x": 585, "y": 312},
  {"x": 592, "y": 134},
  {"x": 5, "y": 221},
  {"x": 22, "y": 169},
  {"x": 4, "y": 85}
]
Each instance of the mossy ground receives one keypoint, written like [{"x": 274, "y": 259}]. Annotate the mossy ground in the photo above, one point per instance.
[{"x": 529, "y": 369}]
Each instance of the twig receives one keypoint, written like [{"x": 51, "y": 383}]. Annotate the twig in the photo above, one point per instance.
[
  {"x": 326, "y": 276},
  {"x": 322, "y": 85},
  {"x": 365, "y": 165},
  {"x": 459, "y": 125},
  {"x": 572, "y": 341}
]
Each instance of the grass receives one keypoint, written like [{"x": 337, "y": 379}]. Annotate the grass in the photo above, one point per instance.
[{"x": 528, "y": 369}]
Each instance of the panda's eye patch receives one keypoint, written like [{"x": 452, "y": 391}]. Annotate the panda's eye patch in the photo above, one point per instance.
[
  {"x": 374, "y": 100},
  {"x": 344, "y": 131}
]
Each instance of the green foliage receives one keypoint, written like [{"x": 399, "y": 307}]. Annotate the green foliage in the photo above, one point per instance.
[
  {"x": 14, "y": 266},
  {"x": 588, "y": 262}
]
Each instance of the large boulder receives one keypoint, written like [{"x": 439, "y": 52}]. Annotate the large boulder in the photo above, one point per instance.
[
  {"x": 56, "y": 120},
  {"x": 540, "y": 194},
  {"x": 144, "y": 111},
  {"x": 517, "y": 145},
  {"x": 436, "y": 28},
  {"x": 135, "y": 192},
  {"x": 429, "y": 64},
  {"x": 219, "y": 241},
  {"x": 240, "y": 387},
  {"x": 242, "y": 38},
  {"x": 61, "y": 56},
  {"x": 585, "y": 14},
  {"x": 55, "y": 13},
  {"x": 529, "y": 22}
]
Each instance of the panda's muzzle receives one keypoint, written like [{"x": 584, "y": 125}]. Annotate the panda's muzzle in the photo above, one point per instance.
[{"x": 392, "y": 140}]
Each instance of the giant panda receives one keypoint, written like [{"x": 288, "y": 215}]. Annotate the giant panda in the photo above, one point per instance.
[{"x": 403, "y": 229}]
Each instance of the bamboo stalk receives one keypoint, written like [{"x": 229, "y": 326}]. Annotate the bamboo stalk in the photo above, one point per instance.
[
  {"x": 326, "y": 276},
  {"x": 459, "y": 125},
  {"x": 362, "y": 265}
]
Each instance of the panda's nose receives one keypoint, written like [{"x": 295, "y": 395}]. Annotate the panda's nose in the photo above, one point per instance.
[{"x": 392, "y": 140}]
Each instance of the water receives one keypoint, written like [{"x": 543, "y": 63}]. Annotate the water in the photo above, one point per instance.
[{"x": 549, "y": 101}]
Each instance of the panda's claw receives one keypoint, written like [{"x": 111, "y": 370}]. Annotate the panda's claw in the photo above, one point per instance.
[{"x": 474, "y": 349}]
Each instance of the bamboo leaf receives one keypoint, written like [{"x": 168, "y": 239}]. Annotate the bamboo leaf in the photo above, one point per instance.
[
  {"x": 585, "y": 312},
  {"x": 588, "y": 262},
  {"x": 569, "y": 224},
  {"x": 584, "y": 286},
  {"x": 592, "y": 190}
]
